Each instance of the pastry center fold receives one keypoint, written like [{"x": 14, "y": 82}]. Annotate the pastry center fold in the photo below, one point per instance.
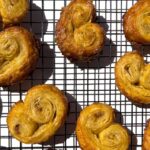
[
  {"x": 9, "y": 48},
  {"x": 43, "y": 110},
  {"x": 85, "y": 36},
  {"x": 132, "y": 72},
  {"x": 99, "y": 119},
  {"x": 13, "y": 2},
  {"x": 81, "y": 14}
]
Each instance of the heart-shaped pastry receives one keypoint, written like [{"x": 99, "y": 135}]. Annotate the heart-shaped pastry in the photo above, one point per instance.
[
  {"x": 132, "y": 77},
  {"x": 97, "y": 130},
  {"x": 39, "y": 117},
  {"x": 77, "y": 36},
  {"x": 137, "y": 22},
  {"x": 18, "y": 55}
]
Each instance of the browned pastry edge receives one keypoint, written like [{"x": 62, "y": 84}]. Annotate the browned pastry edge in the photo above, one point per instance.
[
  {"x": 26, "y": 69},
  {"x": 83, "y": 142},
  {"x": 131, "y": 31},
  {"x": 86, "y": 57},
  {"x": 72, "y": 55}
]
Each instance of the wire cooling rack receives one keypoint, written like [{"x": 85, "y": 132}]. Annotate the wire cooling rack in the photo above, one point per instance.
[{"x": 82, "y": 83}]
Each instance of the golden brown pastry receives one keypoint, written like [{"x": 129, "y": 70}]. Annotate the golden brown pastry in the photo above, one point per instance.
[
  {"x": 77, "y": 36},
  {"x": 96, "y": 129},
  {"x": 39, "y": 117},
  {"x": 132, "y": 77},
  {"x": 137, "y": 22},
  {"x": 18, "y": 55},
  {"x": 13, "y": 11},
  {"x": 146, "y": 139}
]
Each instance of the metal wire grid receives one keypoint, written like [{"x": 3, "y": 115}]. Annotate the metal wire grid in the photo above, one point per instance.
[{"x": 84, "y": 83}]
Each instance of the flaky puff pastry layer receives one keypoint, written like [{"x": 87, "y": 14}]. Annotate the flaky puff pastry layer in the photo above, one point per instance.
[
  {"x": 18, "y": 55},
  {"x": 76, "y": 35},
  {"x": 132, "y": 77},
  {"x": 96, "y": 129},
  {"x": 13, "y": 11},
  {"x": 146, "y": 139},
  {"x": 137, "y": 22},
  {"x": 39, "y": 117}
]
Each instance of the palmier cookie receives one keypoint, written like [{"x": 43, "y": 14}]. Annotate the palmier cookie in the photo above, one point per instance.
[
  {"x": 77, "y": 36},
  {"x": 39, "y": 117},
  {"x": 18, "y": 55},
  {"x": 132, "y": 77},
  {"x": 97, "y": 130},
  {"x": 137, "y": 23}
]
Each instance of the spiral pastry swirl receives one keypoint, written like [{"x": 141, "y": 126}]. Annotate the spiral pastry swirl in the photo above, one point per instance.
[
  {"x": 146, "y": 141},
  {"x": 18, "y": 55},
  {"x": 133, "y": 77},
  {"x": 137, "y": 23},
  {"x": 77, "y": 36},
  {"x": 13, "y": 11},
  {"x": 96, "y": 129},
  {"x": 39, "y": 117}
]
